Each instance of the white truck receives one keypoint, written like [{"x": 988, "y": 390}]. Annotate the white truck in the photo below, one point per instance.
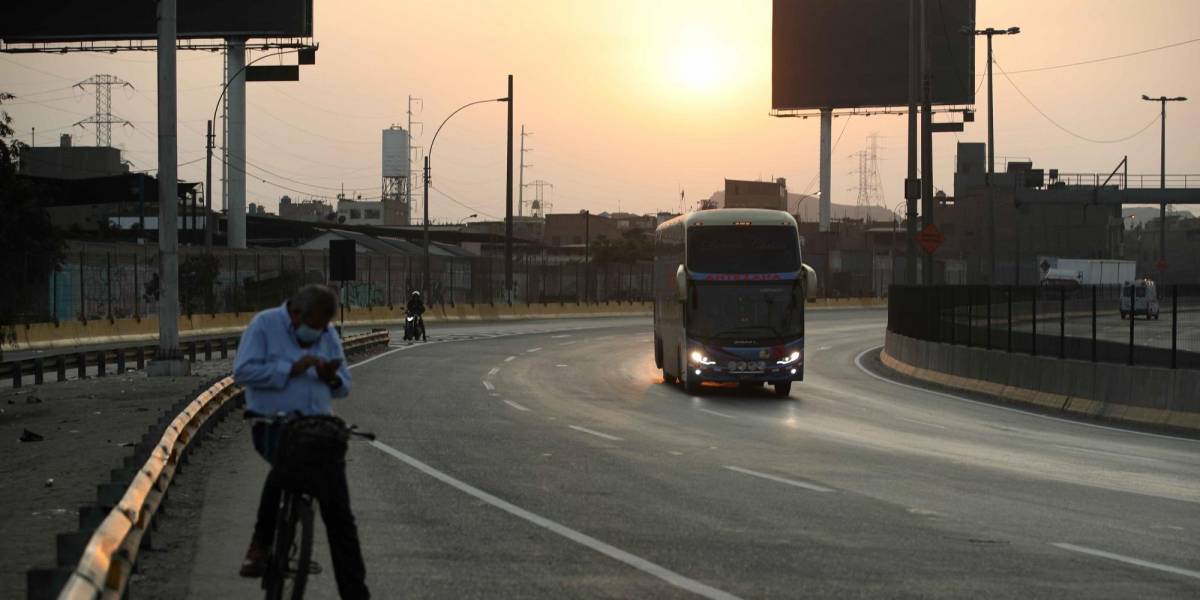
[{"x": 1085, "y": 271}]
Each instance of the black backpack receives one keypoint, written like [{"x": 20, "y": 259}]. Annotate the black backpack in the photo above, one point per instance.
[{"x": 310, "y": 450}]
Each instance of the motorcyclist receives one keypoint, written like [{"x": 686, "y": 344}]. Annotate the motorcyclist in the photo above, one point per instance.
[
  {"x": 415, "y": 308},
  {"x": 415, "y": 305}
]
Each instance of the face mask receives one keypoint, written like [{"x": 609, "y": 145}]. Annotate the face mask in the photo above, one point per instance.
[{"x": 307, "y": 335}]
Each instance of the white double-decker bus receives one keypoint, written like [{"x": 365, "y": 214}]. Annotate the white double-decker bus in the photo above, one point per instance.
[{"x": 729, "y": 293}]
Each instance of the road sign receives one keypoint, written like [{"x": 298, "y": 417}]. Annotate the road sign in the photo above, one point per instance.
[
  {"x": 1161, "y": 265},
  {"x": 930, "y": 238}
]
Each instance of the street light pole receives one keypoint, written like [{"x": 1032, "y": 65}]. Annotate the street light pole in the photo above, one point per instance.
[
  {"x": 428, "y": 153},
  {"x": 1162, "y": 173}
]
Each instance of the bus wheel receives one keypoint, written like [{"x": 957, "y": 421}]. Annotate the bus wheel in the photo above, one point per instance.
[
  {"x": 658, "y": 355},
  {"x": 783, "y": 388}
]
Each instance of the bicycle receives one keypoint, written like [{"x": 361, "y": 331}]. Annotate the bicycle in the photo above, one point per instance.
[{"x": 290, "y": 561}]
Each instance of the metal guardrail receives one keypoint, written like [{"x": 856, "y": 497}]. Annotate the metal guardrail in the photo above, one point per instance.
[
  {"x": 57, "y": 363},
  {"x": 109, "y": 557}
]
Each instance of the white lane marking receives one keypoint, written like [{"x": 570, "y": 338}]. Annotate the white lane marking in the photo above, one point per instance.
[
  {"x": 800, "y": 484},
  {"x": 487, "y": 384},
  {"x": 560, "y": 365},
  {"x": 920, "y": 422},
  {"x": 718, "y": 413},
  {"x": 516, "y": 406},
  {"x": 637, "y": 562},
  {"x": 567, "y": 343},
  {"x": 510, "y": 359},
  {"x": 493, "y": 371},
  {"x": 560, "y": 336},
  {"x": 858, "y": 363},
  {"x": 532, "y": 350},
  {"x": 674, "y": 453},
  {"x": 595, "y": 433},
  {"x": 1128, "y": 560}
]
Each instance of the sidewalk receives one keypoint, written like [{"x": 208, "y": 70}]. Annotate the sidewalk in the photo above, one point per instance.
[{"x": 88, "y": 428}]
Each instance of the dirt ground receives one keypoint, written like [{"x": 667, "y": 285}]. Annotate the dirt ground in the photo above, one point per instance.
[{"x": 88, "y": 427}]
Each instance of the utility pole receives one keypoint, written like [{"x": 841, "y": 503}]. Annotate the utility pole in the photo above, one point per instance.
[
  {"x": 926, "y": 143},
  {"x": 521, "y": 179},
  {"x": 912, "y": 185},
  {"x": 1162, "y": 174},
  {"x": 991, "y": 140},
  {"x": 587, "y": 253},
  {"x": 411, "y": 147},
  {"x": 208, "y": 220},
  {"x": 167, "y": 360},
  {"x": 508, "y": 200},
  {"x": 539, "y": 207}
]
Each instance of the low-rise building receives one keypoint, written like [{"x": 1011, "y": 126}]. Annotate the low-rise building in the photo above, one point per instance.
[
  {"x": 359, "y": 212},
  {"x": 304, "y": 210},
  {"x": 578, "y": 229},
  {"x": 756, "y": 194}
]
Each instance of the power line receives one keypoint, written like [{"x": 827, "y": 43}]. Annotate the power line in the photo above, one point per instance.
[
  {"x": 808, "y": 187},
  {"x": 1107, "y": 58},
  {"x": 468, "y": 207},
  {"x": 1064, "y": 129}
]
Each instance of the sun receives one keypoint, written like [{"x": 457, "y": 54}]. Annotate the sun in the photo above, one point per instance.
[{"x": 700, "y": 62}]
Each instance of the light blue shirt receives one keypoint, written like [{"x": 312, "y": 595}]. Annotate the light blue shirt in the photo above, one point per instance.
[{"x": 264, "y": 363}]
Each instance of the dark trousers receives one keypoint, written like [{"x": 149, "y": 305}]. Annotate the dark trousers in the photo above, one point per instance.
[{"x": 334, "y": 501}]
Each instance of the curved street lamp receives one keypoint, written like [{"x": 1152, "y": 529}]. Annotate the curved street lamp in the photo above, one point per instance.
[
  {"x": 428, "y": 153},
  {"x": 208, "y": 222}
]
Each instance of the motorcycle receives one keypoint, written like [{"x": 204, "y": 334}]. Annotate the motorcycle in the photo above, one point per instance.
[{"x": 414, "y": 327}]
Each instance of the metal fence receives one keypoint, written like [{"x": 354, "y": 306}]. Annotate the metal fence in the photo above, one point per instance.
[
  {"x": 1084, "y": 323},
  {"x": 96, "y": 283}
]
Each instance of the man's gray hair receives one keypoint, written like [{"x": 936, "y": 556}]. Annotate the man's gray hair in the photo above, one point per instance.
[{"x": 315, "y": 298}]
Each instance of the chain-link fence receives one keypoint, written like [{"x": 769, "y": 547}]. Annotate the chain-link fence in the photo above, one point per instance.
[
  {"x": 118, "y": 282},
  {"x": 1087, "y": 323}
]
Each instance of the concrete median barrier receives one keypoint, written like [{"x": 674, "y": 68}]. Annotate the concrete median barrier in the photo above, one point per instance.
[{"x": 1146, "y": 396}]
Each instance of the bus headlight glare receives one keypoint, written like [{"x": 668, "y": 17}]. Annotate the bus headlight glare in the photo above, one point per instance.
[
  {"x": 791, "y": 358},
  {"x": 699, "y": 358}
]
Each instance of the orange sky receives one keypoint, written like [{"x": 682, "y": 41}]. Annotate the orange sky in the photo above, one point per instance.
[{"x": 629, "y": 100}]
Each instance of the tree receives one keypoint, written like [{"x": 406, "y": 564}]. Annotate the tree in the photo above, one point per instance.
[{"x": 32, "y": 248}]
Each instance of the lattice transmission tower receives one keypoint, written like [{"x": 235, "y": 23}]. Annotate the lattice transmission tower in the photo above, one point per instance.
[
  {"x": 104, "y": 119},
  {"x": 870, "y": 184},
  {"x": 540, "y": 205}
]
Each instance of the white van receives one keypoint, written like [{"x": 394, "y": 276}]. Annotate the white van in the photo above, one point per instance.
[{"x": 1139, "y": 298}]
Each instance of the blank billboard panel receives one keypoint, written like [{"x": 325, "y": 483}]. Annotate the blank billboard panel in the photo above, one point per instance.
[
  {"x": 95, "y": 20},
  {"x": 854, "y": 53}
]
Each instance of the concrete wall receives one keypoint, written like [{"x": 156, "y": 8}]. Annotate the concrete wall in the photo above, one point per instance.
[{"x": 1154, "y": 396}]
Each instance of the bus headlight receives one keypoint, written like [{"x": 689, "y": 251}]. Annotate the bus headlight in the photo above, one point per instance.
[
  {"x": 697, "y": 357},
  {"x": 789, "y": 359}
]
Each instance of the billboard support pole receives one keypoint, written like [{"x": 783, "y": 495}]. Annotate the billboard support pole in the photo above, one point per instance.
[
  {"x": 235, "y": 60},
  {"x": 167, "y": 361},
  {"x": 911, "y": 191},
  {"x": 826, "y": 158},
  {"x": 926, "y": 144}
]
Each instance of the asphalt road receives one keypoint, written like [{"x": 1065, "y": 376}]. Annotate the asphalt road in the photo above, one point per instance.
[{"x": 541, "y": 460}]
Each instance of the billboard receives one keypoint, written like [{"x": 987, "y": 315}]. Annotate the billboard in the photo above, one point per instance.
[
  {"x": 94, "y": 20},
  {"x": 854, "y": 53},
  {"x": 395, "y": 152}
]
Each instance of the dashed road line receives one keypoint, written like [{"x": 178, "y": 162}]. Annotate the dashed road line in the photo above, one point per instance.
[
  {"x": 637, "y": 562},
  {"x": 1129, "y": 560},
  {"x": 532, "y": 350},
  {"x": 487, "y": 384},
  {"x": 596, "y": 433},
  {"x": 567, "y": 343},
  {"x": 920, "y": 422},
  {"x": 510, "y": 359},
  {"x": 800, "y": 484},
  {"x": 516, "y": 406},
  {"x": 493, "y": 371},
  {"x": 560, "y": 336}
]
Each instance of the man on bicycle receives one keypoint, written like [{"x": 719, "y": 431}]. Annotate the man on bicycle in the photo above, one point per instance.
[{"x": 290, "y": 360}]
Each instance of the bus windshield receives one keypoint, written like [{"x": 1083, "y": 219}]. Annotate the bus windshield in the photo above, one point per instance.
[
  {"x": 743, "y": 249},
  {"x": 746, "y": 311}
]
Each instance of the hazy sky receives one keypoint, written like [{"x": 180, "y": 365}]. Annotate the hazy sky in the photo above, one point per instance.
[{"x": 629, "y": 101}]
